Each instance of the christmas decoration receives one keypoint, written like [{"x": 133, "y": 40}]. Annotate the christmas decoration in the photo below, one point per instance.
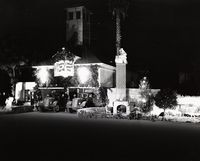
[
  {"x": 64, "y": 54},
  {"x": 64, "y": 63},
  {"x": 146, "y": 99}
]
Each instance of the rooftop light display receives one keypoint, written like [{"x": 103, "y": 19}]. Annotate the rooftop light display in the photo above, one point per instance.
[
  {"x": 84, "y": 74},
  {"x": 43, "y": 75}
]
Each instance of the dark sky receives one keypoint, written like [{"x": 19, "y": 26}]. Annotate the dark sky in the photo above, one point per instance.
[{"x": 155, "y": 33}]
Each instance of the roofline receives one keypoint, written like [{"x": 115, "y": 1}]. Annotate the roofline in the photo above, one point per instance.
[
  {"x": 50, "y": 87},
  {"x": 84, "y": 64},
  {"x": 47, "y": 66},
  {"x": 75, "y": 6}
]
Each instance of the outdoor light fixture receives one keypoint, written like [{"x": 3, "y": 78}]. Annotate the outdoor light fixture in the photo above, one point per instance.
[
  {"x": 83, "y": 74},
  {"x": 43, "y": 75},
  {"x": 144, "y": 100},
  {"x": 18, "y": 89}
]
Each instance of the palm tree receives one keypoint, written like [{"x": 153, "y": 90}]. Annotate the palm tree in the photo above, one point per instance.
[
  {"x": 11, "y": 57},
  {"x": 119, "y": 9},
  {"x": 10, "y": 67}
]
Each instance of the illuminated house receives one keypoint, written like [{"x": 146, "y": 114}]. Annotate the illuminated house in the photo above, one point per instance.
[{"x": 86, "y": 78}]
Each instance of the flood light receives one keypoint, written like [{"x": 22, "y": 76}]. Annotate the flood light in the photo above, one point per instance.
[
  {"x": 43, "y": 75},
  {"x": 83, "y": 74}
]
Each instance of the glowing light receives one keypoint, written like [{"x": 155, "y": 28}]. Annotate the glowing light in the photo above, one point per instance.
[
  {"x": 83, "y": 74},
  {"x": 30, "y": 85},
  {"x": 43, "y": 75},
  {"x": 144, "y": 100},
  {"x": 18, "y": 89}
]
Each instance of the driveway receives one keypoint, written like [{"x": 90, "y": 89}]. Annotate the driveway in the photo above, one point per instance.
[{"x": 63, "y": 136}]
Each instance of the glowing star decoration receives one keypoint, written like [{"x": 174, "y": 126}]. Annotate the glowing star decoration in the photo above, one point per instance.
[
  {"x": 84, "y": 74},
  {"x": 43, "y": 75}
]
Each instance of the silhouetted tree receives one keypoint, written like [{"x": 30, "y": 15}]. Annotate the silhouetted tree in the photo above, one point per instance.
[
  {"x": 119, "y": 8},
  {"x": 166, "y": 98}
]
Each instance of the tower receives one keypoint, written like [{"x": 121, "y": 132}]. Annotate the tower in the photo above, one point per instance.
[
  {"x": 78, "y": 25},
  {"x": 121, "y": 61},
  {"x": 121, "y": 98}
]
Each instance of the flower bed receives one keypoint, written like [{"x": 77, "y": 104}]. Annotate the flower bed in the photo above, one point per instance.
[
  {"x": 100, "y": 112},
  {"x": 183, "y": 119},
  {"x": 92, "y": 112}
]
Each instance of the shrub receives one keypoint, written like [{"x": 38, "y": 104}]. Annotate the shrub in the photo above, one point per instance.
[
  {"x": 135, "y": 114},
  {"x": 166, "y": 98},
  {"x": 94, "y": 112},
  {"x": 22, "y": 109},
  {"x": 120, "y": 116}
]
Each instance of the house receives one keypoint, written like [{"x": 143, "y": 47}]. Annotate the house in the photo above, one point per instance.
[{"x": 85, "y": 77}]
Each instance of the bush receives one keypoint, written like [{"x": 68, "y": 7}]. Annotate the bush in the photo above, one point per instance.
[
  {"x": 166, "y": 98},
  {"x": 135, "y": 114},
  {"x": 22, "y": 109},
  {"x": 146, "y": 106},
  {"x": 120, "y": 116},
  {"x": 94, "y": 112}
]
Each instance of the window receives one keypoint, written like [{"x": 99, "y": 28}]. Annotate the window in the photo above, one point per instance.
[
  {"x": 70, "y": 15},
  {"x": 78, "y": 14}
]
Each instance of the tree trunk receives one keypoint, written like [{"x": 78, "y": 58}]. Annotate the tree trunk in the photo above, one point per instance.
[
  {"x": 13, "y": 81},
  {"x": 118, "y": 31},
  {"x": 163, "y": 115}
]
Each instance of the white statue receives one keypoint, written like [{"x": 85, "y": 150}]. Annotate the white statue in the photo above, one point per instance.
[
  {"x": 122, "y": 57},
  {"x": 8, "y": 103}
]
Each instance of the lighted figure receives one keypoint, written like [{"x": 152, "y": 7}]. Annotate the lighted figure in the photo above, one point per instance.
[{"x": 8, "y": 103}]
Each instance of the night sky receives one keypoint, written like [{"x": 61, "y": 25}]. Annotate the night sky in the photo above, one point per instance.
[{"x": 157, "y": 35}]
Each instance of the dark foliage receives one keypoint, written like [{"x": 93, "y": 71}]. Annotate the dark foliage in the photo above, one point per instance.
[
  {"x": 103, "y": 95},
  {"x": 5, "y": 87},
  {"x": 166, "y": 98}
]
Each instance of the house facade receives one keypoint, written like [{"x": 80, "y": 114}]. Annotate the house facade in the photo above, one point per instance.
[{"x": 86, "y": 78}]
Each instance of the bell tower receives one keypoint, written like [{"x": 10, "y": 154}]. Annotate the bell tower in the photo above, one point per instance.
[{"x": 78, "y": 25}]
